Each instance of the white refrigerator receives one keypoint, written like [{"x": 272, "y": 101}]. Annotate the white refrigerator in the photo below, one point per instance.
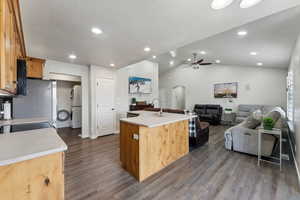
[{"x": 76, "y": 106}]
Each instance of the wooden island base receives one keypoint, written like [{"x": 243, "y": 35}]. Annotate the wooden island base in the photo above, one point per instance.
[{"x": 145, "y": 151}]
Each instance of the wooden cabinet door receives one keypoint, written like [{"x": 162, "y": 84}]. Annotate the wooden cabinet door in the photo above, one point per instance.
[
  {"x": 35, "y": 68},
  {"x": 37, "y": 179},
  {"x": 10, "y": 44}
]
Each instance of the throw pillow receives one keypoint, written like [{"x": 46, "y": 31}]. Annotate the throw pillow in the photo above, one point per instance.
[
  {"x": 251, "y": 122},
  {"x": 275, "y": 115}
]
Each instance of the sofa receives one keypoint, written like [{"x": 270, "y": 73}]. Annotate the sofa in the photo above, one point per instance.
[
  {"x": 244, "y": 111},
  {"x": 244, "y": 136},
  {"x": 209, "y": 113}
]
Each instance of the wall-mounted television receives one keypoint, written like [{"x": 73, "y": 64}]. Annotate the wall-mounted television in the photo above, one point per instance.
[
  {"x": 139, "y": 85},
  {"x": 226, "y": 90}
]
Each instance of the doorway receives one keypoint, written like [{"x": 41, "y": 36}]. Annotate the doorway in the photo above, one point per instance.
[
  {"x": 178, "y": 97},
  {"x": 67, "y": 98}
]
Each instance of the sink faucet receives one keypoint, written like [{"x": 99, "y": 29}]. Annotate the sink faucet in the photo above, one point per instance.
[
  {"x": 161, "y": 109},
  {"x": 154, "y": 100}
]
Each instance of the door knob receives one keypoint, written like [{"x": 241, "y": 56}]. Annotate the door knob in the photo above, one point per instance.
[{"x": 112, "y": 109}]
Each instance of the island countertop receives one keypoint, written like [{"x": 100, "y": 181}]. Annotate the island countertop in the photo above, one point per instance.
[
  {"x": 152, "y": 119},
  {"x": 21, "y": 146},
  {"x": 23, "y": 121}
]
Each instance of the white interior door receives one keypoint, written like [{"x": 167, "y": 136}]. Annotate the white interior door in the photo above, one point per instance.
[
  {"x": 105, "y": 114},
  {"x": 178, "y": 96}
]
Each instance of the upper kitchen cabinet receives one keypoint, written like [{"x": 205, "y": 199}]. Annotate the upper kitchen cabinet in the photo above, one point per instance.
[
  {"x": 11, "y": 44},
  {"x": 35, "y": 68}
]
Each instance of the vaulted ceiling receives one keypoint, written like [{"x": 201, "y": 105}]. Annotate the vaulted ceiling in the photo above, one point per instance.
[
  {"x": 54, "y": 29},
  {"x": 271, "y": 38}
]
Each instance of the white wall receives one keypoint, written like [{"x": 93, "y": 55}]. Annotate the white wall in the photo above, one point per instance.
[
  {"x": 144, "y": 69},
  {"x": 97, "y": 73},
  {"x": 55, "y": 67},
  {"x": 295, "y": 70},
  {"x": 255, "y": 85},
  {"x": 64, "y": 100}
]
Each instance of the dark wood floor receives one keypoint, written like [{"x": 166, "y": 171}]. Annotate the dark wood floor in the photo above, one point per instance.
[{"x": 93, "y": 171}]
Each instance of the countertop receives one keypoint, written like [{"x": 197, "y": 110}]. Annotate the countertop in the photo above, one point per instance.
[
  {"x": 23, "y": 121},
  {"x": 21, "y": 146},
  {"x": 152, "y": 119}
]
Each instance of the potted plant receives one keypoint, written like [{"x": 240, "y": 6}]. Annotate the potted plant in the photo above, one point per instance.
[
  {"x": 268, "y": 123},
  {"x": 133, "y": 101}
]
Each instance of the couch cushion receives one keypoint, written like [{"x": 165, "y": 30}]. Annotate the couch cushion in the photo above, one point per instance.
[
  {"x": 251, "y": 123},
  {"x": 279, "y": 124},
  {"x": 243, "y": 114},
  {"x": 248, "y": 108},
  {"x": 206, "y": 115},
  {"x": 212, "y": 111}
]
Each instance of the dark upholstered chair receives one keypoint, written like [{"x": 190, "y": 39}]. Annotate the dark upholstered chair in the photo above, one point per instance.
[
  {"x": 209, "y": 113},
  {"x": 202, "y": 137}
]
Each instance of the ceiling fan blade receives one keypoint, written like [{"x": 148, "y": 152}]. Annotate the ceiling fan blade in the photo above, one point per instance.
[
  {"x": 200, "y": 61},
  {"x": 205, "y": 64}
]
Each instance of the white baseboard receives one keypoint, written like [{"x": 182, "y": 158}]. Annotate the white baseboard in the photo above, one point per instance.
[{"x": 108, "y": 133}]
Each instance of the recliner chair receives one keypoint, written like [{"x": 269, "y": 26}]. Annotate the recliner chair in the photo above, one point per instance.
[{"x": 209, "y": 113}]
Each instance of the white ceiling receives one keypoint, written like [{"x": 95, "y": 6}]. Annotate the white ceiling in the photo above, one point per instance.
[
  {"x": 55, "y": 28},
  {"x": 272, "y": 37}
]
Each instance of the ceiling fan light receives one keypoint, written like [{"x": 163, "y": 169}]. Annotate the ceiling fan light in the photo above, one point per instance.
[
  {"x": 220, "y": 4},
  {"x": 249, "y": 3}
]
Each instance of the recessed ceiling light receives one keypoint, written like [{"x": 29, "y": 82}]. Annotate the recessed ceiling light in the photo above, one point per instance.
[
  {"x": 249, "y": 3},
  {"x": 147, "y": 49},
  {"x": 96, "y": 30},
  {"x": 189, "y": 59},
  {"x": 218, "y": 61},
  {"x": 242, "y": 33},
  {"x": 154, "y": 57},
  {"x": 202, "y": 52},
  {"x": 253, "y": 53},
  {"x": 259, "y": 64},
  {"x": 112, "y": 64},
  {"x": 72, "y": 56},
  {"x": 173, "y": 53},
  {"x": 220, "y": 4},
  {"x": 171, "y": 62}
]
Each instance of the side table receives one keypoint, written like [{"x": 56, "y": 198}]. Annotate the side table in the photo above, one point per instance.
[
  {"x": 228, "y": 118},
  {"x": 274, "y": 131}
]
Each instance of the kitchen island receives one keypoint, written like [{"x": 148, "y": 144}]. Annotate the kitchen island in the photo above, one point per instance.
[
  {"x": 150, "y": 142},
  {"x": 32, "y": 165}
]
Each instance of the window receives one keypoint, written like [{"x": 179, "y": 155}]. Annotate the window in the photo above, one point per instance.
[{"x": 290, "y": 96}]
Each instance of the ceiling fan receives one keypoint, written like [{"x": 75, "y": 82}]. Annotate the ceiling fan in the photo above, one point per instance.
[{"x": 196, "y": 63}]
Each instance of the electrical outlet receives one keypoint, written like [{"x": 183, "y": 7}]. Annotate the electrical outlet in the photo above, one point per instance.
[{"x": 135, "y": 136}]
